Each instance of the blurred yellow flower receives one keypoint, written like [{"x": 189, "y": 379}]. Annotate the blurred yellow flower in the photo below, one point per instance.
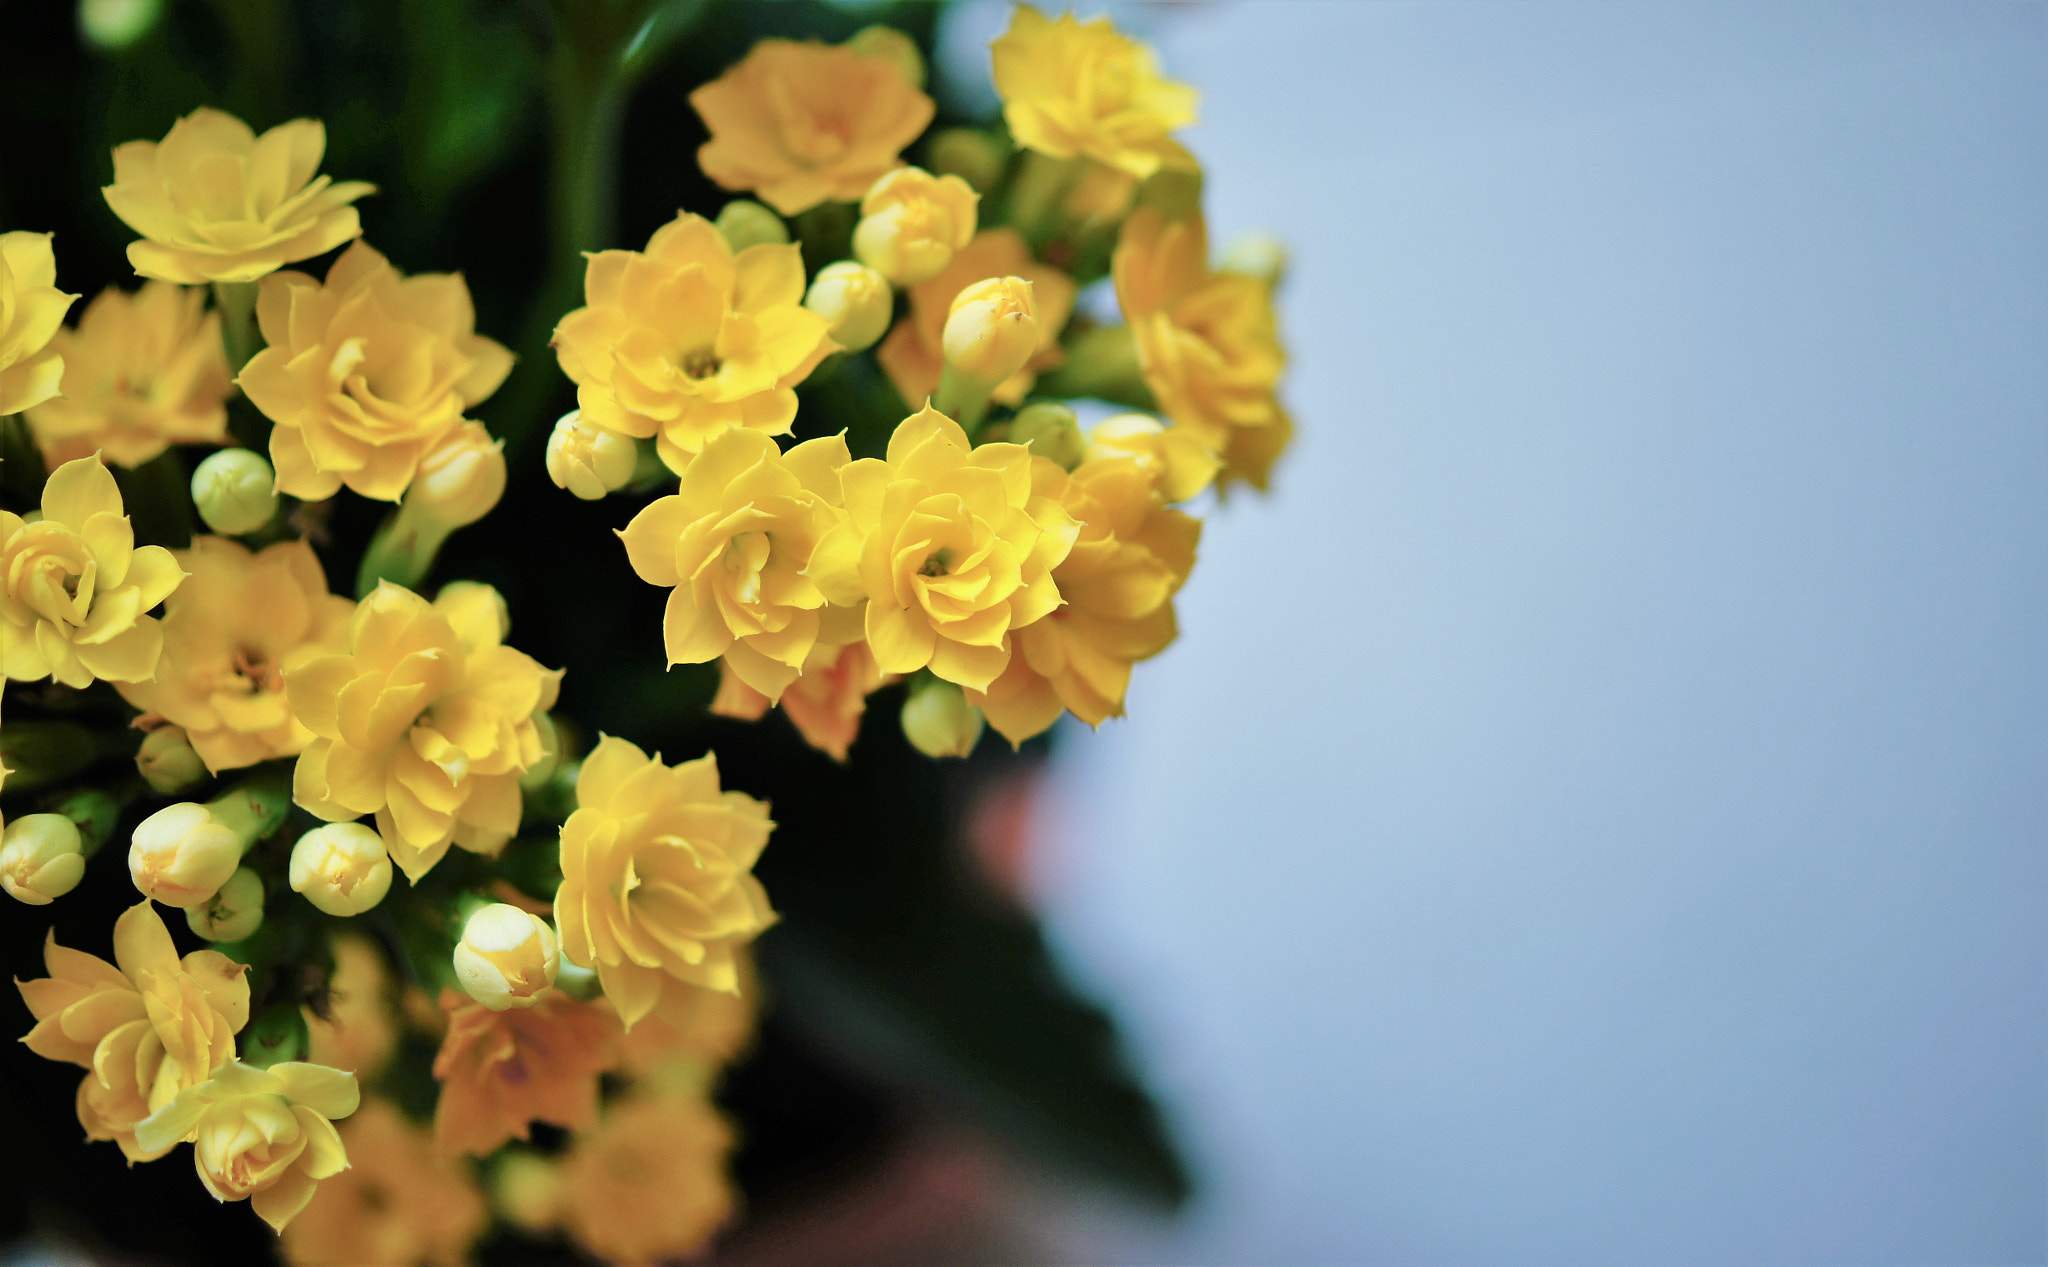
[
  {"x": 146, "y": 1030},
  {"x": 692, "y": 1031},
  {"x": 399, "y": 1203},
  {"x": 501, "y": 1070},
  {"x": 911, "y": 223},
  {"x": 360, "y": 1029},
  {"x": 230, "y": 631},
  {"x": 31, "y": 313},
  {"x": 950, "y": 548},
  {"x": 365, "y": 372},
  {"x": 77, "y": 585},
  {"x": 826, "y": 701},
  {"x": 1074, "y": 88},
  {"x": 1179, "y": 463},
  {"x": 914, "y": 354},
  {"x": 686, "y": 340},
  {"x": 649, "y": 1184},
  {"x": 214, "y": 202},
  {"x": 801, "y": 124},
  {"x": 265, "y": 1136},
  {"x": 141, "y": 372},
  {"x": 426, "y": 721},
  {"x": 657, "y": 875}
]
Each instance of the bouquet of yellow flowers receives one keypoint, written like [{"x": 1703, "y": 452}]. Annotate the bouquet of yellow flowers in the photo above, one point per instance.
[{"x": 417, "y": 936}]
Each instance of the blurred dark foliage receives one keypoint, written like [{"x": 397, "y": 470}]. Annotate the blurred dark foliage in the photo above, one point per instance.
[{"x": 900, "y": 983}]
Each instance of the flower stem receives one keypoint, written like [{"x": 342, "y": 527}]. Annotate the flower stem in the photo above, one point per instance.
[{"x": 237, "y": 304}]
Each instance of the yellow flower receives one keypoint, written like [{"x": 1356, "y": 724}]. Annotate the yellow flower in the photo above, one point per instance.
[
  {"x": 146, "y": 1030},
  {"x": 950, "y": 548},
  {"x": 500, "y": 1071},
  {"x": 77, "y": 585},
  {"x": 399, "y": 1203},
  {"x": 657, "y": 879},
  {"x": 685, "y": 340},
  {"x": 692, "y": 1031},
  {"x": 649, "y": 1184},
  {"x": 801, "y": 124},
  {"x": 230, "y": 632},
  {"x": 359, "y": 1030},
  {"x": 1118, "y": 582},
  {"x": 1207, "y": 342},
  {"x": 826, "y": 701},
  {"x": 365, "y": 372},
  {"x": 214, "y": 202},
  {"x": 141, "y": 372},
  {"x": 911, "y": 223},
  {"x": 31, "y": 313},
  {"x": 426, "y": 721},
  {"x": 914, "y": 353},
  {"x": 262, "y": 1135},
  {"x": 1082, "y": 89},
  {"x": 732, "y": 545},
  {"x": 1177, "y": 461}
]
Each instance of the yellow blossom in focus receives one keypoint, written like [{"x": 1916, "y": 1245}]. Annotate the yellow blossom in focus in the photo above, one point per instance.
[
  {"x": 31, "y": 313},
  {"x": 239, "y": 621},
  {"x": 1208, "y": 342},
  {"x": 1081, "y": 89},
  {"x": 365, "y": 373},
  {"x": 914, "y": 354},
  {"x": 1179, "y": 464},
  {"x": 911, "y": 223},
  {"x": 801, "y": 124},
  {"x": 657, "y": 875},
  {"x": 732, "y": 544},
  {"x": 426, "y": 721},
  {"x": 77, "y": 585},
  {"x": 649, "y": 1184},
  {"x": 399, "y": 1203},
  {"x": 265, "y": 1136},
  {"x": 686, "y": 339},
  {"x": 826, "y": 701},
  {"x": 145, "y": 1030},
  {"x": 360, "y": 1029},
  {"x": 141, "y": 372},
  {"x": 501, "y": 1070},
  {"x": 214, "y": 202},
  {"x": 949, "y": 546}
]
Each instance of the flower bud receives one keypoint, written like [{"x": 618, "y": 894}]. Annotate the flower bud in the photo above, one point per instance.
[
  {"x": 233, "y": 913},
  {"x": 181, "y": 855},
  {"x": 342, "y": 868},
  {"x": 1259, "y": 256},
  {"x": 41, "y": 858},
  {"x": 235, "y": 491},
  {"x": 1179, "y": 463},
  {"x": 95, "y": 814},
  {"x": 744, "y": 223},
  {"x": 167, "y": 761},
  {"x": 507, "y": 958},
  {"x": 526, "y": 1190},
  {"x": 588, "y": 460},
  {"x": 460, "y": 479},
  {"x": 887, "y": 44},
  {"x": 112, "y": 25},
  {"x": 969, "y": 153},
  {"x": 1051, "y": 431},
  {"x": 939, "y": 722},
  {"x": 854, "y": 300},
  {"x": 992, "y": 330},
  {"x": 911, "y": 222}
]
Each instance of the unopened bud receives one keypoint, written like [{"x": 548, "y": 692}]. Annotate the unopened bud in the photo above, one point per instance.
[
  {"x": 939, "y": 722},
  {"x": 233, "y": 913},
  {"x": 1260, "y": 256},
  {"x": 341, "y": 868},
  {"x": 41, "y": 858},
  {"x": 526, "y": 1190},
  {"x": 992, "y": 330},
  {"x": 460, "y": 479},
  {"x": 744, "y": 223},
  {"x": 855, "y": 302},
  {"x": 588, "y": 460},
  {"x": 1051, "y": 431},
  {"x": 507, "y": 958},
  {"x": 235, "y": 491},
  {"x": 887, "y": 44},
  {"x": 167, "y": 761},
  {"x": 969, "y": 153},
  {"x": 115, "y": 24},
  {"x": 95, "y": 814},
  {"x": 912, "y": 222},
  {"x": 181, "y": 855},
  {"x": 1176, "y": 459}
]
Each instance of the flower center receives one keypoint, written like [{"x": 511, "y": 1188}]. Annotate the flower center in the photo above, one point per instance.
[
  {"x": 701, "y": 364},
  {"x": 938, "y": 564},
  {"x": 255, "y": 672}
]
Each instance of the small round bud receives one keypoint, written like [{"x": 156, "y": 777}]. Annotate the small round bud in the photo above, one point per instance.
[
  {"x": 233, "y": 913},
  {"x": 95, "y": 813},
  {"x": 855, "y": 302},
  {"x": 588, "y": 460},
  {"x": 460, "y": 479},
  {"x": 744, "y": 223},
  {"x": 235, "y": 491},
  {"x": 1051, "y": 430},
  {"x": 939, "y": 722},
  {"x": 167, "y": 761},
  {"x": 342, "y": 868},
  {"x": 41, "y": 858},
  {"x": 887, "y": 44},
  {"x": 911, "y": 222},
  {"x": 1259, "y": 256},
  {"x": 526, "y": 1190},
  {"x": 992, "y": 330},
  {"x": 969, "y": 153},
  {"x": 113, "y": 25},
  {"x": 507, "y": 958},
  {"x": 181, "y": 855}
]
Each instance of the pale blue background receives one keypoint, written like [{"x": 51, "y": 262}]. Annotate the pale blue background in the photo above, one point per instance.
[{"x": 1596, "y": 811}]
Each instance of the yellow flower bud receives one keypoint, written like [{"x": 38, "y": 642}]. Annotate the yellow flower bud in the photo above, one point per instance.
[
  {"x": 588, "y": 460},
  {"x": 41, "y": 858},
  {"x": 887, "y": 44},
  {"x": 1049, "y": 430},
  {"x": 969, "y": 153},
  {"x": 168, "y": 762},
  {"x": 855, "y": 300},
  {"x": 912, "y": 222},
  {"x": 1177, "y": 460},
  {"x": 991, "y": 329},
  {"x": 235, "y": 491},
  {"x": 342, "y": 868},
  {"x": 181, "y": 855},
  {"x": 460, "y": 479},
  {"x": 939, "y": 722},
  {"x": 233, "y": 913},
  {"x": 507, "y": 958},
  {"x": 744, "y": 223}
]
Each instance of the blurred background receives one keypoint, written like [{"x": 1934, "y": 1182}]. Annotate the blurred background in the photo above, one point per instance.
[{"x": 1595, "y": 812}]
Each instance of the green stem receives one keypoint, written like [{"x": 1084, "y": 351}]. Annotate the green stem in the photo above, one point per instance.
[
  {"x": 962, "y": 399},
  {"x": 237, "y": 304}
]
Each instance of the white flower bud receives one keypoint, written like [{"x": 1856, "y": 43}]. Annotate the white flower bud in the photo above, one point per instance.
[
  {"x": 507, "y": 958},
  {"x": 41, "y": 858},
  {"x": 588, "y": 460},
  {"x": 181, "y": 855},
  {"x": 341, "y": 868},
  {"x": 939, "y": 722},
  {"x": 854, "y": 300},
  {"x": 233, "y": 913},
  {"x": 992, "y": 330},
  {"x": 235, "y": 491},
  {"x": 168, "y": 762},
  {"x": 460, "y": 480}
]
